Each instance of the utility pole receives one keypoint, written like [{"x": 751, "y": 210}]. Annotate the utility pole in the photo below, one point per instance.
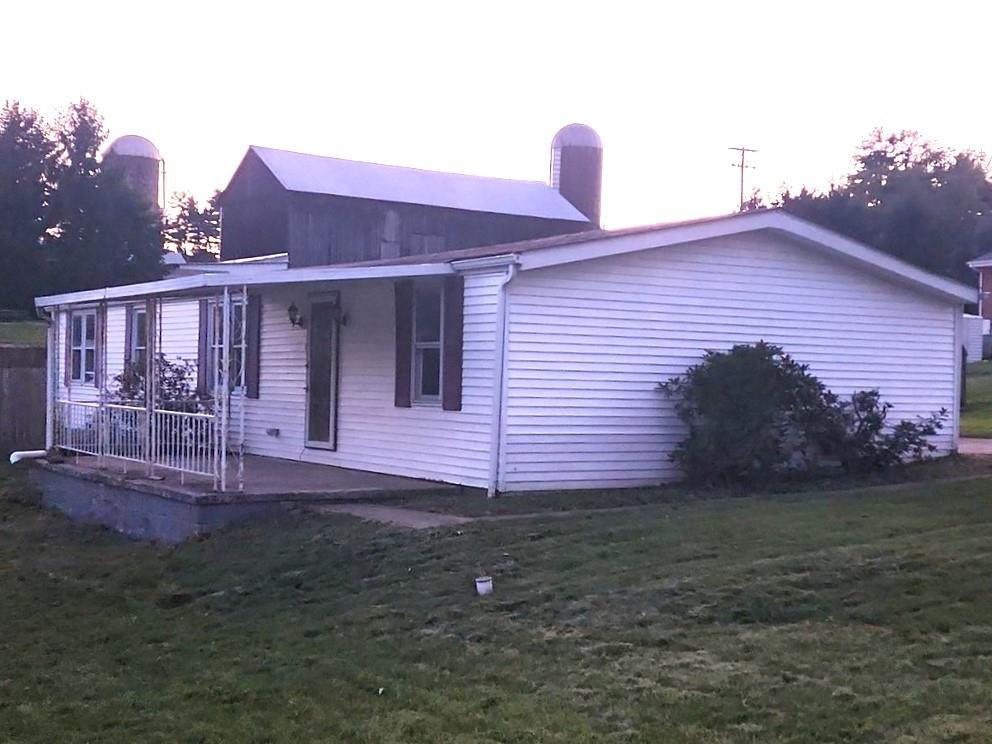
[{"x": 743, "y": 151}]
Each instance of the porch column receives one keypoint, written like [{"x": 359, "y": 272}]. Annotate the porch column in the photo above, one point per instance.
[
  {"x": 151, "y": 378},
  {"x": 51, "y": 377},
  {"x": 100, "y": 375},
  {"x": 242, "y": 379},
  {"x": 224, "y": 393}
]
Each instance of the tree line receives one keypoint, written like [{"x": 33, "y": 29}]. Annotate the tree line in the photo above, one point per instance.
[
  {"x": 68, "y": 224},
  {"x": 923, "y": 203}
]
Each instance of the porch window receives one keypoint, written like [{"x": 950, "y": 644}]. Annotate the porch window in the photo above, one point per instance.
[
  {"x": 215, "y": 332},
  {"x": 138, "y": 338},
  {"x": 427, "y": 330},
  {"x": 82, "y": 349}
]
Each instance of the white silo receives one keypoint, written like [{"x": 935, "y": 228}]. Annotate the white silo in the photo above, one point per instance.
[{"x": 140, "y": 163}]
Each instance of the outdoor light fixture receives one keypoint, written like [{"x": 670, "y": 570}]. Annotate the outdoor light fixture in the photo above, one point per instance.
[{"x": 294, "y": 316}]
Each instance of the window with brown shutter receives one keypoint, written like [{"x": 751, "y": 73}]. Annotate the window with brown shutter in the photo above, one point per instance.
[
  {"x": 429, "y": 320},
  {"x": 81, "y": 346}
]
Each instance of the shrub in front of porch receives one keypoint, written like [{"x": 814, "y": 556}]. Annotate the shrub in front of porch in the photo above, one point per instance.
[{"x": 175, "y": 386}]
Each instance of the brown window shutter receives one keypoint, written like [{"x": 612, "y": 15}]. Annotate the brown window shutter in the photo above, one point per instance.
[
  {"x": 202, "y": 350},
  {"x": 128, "y": 337},
  {"x": 67, "y": 372},
  {"x": 404, "y": 342},
  {"x": 253, "y": 343},
  {"x": 451, "y": 359}
]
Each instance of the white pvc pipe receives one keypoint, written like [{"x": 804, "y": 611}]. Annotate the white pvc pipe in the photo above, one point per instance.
[{"x": 16, "y": 457}]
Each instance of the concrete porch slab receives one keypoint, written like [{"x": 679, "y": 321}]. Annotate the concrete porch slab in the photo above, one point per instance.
[{"x": 121, "y": 497}]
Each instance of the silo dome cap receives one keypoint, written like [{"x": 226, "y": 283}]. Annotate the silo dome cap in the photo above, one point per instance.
[
  {"x": 577, "y": 135},
  {"x": 134, "y": 146}
]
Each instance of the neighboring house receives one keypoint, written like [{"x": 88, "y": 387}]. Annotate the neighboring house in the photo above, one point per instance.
[
  {"x": 983, "y": 265},
  {"x": 977, "y": 331},
  {"x": 515, "y": 366},
  {"x": 973, "y": 336}
]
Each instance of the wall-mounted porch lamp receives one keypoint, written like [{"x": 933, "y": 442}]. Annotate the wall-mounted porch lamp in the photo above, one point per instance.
[{"x": 294, "y": 316}]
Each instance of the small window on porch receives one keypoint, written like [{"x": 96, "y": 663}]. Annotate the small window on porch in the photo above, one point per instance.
[
  {"x": 427, "y": 330},
  {"x": 215, "y": 334},
  {"x": 82, "y": 354},
  {"x": 139, "y": 339}
]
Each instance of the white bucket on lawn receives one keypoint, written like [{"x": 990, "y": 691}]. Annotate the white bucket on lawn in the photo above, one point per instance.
[{"x": 484, "y": 585}]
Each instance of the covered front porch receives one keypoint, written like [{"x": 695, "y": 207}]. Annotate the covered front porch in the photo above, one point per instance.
[
  {"x": 251, "y": 386},
  {"x": 191, "y": 374}
]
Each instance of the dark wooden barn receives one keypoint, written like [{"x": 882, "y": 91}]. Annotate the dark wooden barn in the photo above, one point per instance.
[{"x": 324, "y": 210}]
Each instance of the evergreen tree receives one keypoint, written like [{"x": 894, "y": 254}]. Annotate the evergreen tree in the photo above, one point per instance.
[
  {"x": 65, "y": 224},
  {"x": 105, "y": 234},
  {"x": 192, "y": 230},
  {"x": 910, "y": 198},
  {"x": 27, "y": 156}
]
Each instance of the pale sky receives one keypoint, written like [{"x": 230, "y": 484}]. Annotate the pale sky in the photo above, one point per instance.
[{"x": 482, "y": 87}]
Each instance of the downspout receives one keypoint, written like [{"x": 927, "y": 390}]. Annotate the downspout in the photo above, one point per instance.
[
  {"x": 51, "y": 372},
  {"x": 499, "y": 382},
  {"x": 50, "y": 359}
]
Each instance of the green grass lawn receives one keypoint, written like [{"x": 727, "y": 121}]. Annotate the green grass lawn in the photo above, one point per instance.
[
  {"x": 23, "y": 332},
  {"x": 817, "y": 617},
  {"x": 976, "y": 419}
]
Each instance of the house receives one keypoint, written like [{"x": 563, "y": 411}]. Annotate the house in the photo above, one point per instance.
[
  {"x": 977, "y": 328},
  {"x": 983, "y": 265},
  {"x": 513, "y": 366}
]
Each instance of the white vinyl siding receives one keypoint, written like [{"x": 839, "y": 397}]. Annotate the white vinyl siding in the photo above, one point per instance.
[
  {"x": 373, "y": 434},
  {"x": 588, "y": 343}
]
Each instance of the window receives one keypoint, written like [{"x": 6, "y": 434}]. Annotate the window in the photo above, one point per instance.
[
  {"x": 427, "y": 301},
  {"x": 139, "y": 339},
  {"x": 82, "y": 356},
  {"x": 215, "y": 331}
]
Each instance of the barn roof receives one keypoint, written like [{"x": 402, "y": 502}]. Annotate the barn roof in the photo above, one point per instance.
[{"x": 317, "y": 174}]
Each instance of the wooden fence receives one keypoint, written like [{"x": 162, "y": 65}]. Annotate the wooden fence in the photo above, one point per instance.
[{"x": 22, "y": 398}]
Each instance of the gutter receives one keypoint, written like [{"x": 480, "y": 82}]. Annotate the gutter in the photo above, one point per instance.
[
  {"x": 499, "y": 381},
  {"x": 249, "y": 275}
]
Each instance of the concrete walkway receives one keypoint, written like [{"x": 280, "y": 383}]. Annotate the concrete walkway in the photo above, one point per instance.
[
  {"x": 974, "y": 446},
  {"x": 394, "y": 515},
  {"x": 400, "y": 516}
]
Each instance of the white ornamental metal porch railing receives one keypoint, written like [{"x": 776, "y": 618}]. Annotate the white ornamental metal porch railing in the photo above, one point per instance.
[
  {"x": 186, "y": 435},
  {"x": 188, "y": 443}
]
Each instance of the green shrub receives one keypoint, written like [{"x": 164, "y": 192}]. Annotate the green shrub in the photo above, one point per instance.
[{"x": 754, "y": 415}]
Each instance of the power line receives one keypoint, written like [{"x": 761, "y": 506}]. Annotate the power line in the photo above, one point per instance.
[{"x": 743, "y": 151}]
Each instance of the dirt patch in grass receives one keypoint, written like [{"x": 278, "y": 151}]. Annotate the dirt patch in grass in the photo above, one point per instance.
[{"x": 853, "y": 616}]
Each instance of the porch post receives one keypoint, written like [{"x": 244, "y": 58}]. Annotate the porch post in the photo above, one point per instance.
[
  {"x": 51, "y": 375},
  {"x": 151, "y": 375},
  {"x": 225, "y": 384},
  {"x": 242, "y": 380},
  {"x": 100, "y": 372}
]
